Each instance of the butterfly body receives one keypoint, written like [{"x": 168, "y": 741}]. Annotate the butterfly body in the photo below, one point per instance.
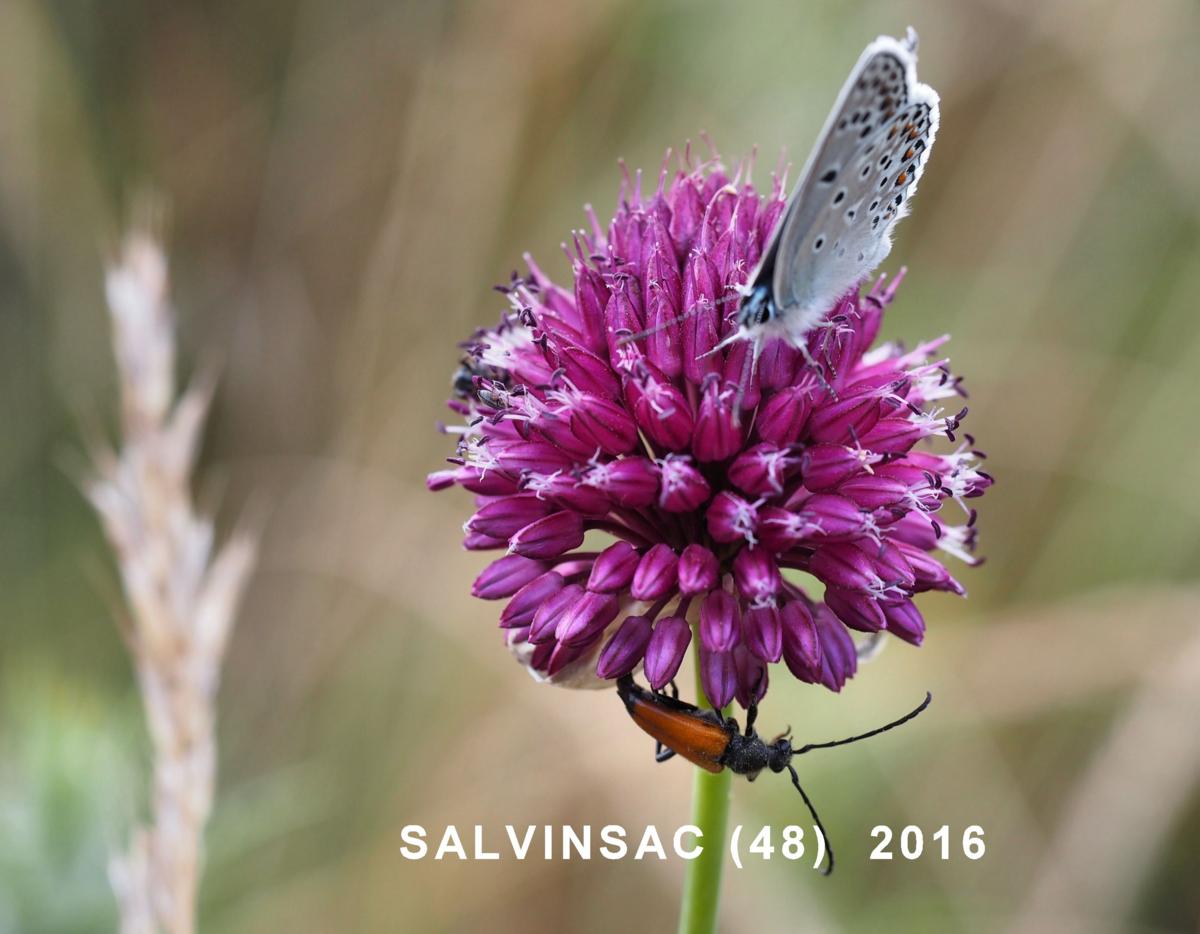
[{"x": 855, "y": 187}]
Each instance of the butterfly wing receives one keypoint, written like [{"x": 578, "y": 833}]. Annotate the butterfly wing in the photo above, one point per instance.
[{"x": 856, "y": 184}]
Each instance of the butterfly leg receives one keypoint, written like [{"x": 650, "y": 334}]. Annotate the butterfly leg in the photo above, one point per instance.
[{"x": 817, "y": 369}]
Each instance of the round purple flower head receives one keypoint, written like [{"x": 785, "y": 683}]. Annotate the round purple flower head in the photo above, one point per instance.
[{"x": 701, "y": 483}]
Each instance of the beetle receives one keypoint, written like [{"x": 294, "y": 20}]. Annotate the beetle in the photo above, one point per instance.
[{"x": 713, "y": 742}]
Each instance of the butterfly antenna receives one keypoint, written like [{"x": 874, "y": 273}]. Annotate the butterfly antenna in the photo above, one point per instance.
[
  {"x": 883, "y": 729},
  {"x": 816, "y": 820},
  {"x": 678, "y": 319}
]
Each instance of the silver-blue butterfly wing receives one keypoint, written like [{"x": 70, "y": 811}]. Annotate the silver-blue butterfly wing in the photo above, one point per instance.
[{"x": 855, "y": 186}]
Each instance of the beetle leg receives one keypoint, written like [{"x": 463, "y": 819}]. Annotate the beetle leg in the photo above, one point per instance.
[
  {"x": 674, "y": 692},
  {"x": 752, "y": 710},
  {"x": 662, "y": 753}
]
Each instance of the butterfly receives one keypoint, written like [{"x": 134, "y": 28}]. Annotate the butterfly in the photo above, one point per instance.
[{"x": 855, "y": 187}]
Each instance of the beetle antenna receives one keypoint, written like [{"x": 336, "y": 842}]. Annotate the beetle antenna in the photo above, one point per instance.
[
  {"x": 816, "y": 820},
  {"x": 883, "y": 729}
]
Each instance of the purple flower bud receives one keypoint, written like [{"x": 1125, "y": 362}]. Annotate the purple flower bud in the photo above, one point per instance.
[
  {"x": 828, "y": 517},
  {"x": 751, "y": 677},
  {"x": 505, "y": 576},
  {"x": 662, "y": 268},
  {"x": 589, "y": 371},
  {"x": 505, "y": 517},
  {"x": 555, "y": 426},
  {"x": 894, "y": 435},
  {"x": 441, "y": 479},
  {"x": 548, "y": 537},
  {"x": 655, "y": 576},
  {"x": 890, "y": 565},
  {"x": 839, "y": 658},
  {"x": 905, "y": 620},
  {"x": 630, "y": 482},
  {"x": 550, "y": 613},
  {"x": 525, "y": 603},
  {"x": 728, "y": 251},
  {"x": 665, "y": 341},
  {"x": 915, "y": 529},
  {"x": 564, "y": 654},
  {"x": 614, "y": 568},
  {"x": 700, "y": 322},
  {"x": 784, "y": 415},
  {"x": 591, "y": 295},
  {"x": 842, "y": 421},
  {"x": 718, "y": 675},
  {"x": 516, "y": 636},
  {"x": 870, "y": 316},
  {"x": 719, "y": 622},
  {"x": 683, "y": 488},
  {"x": 585, "y": 618},
  {"x": 731, "y": 518},
  {"x": 625, "y": 232},
  {"x": 906, "y": 471},
  {"x": 801, "y": 644},
  {"x": 718, "y": 431},
  {"x": 739, "y": 371},
  {"x": 757, "y": 575},
  {"x": 603, "y": 424},
  {"x": 824, "y": 466},
  {"x": 567, "y": 492},
  {"x": 928, "y": 572},
  {"x": 777, "y": 365},
  {"x": 623, "y": 315},
  {"x": 474, "y": 541},
  {"x": 553, "y": 326},
  {"x": 538, "y": 456},
  {"x": 664, "y": 652},
  {"x": 779, "y": 530},
  {"x": 541, "y": 655},
  {"x": 557, "y": 299},
  {"x": 842, "y": 565},
  {"x": 873, "y": 491},
  {"x": 625, "y": 649},
  {"x": 662, "y": 412},
  {"x": 486, "y": 482},
  {"x": 771, "y": 213},
  {"x": 762, "y": 469},
  {"x": 857, "y": 610},
  {"x": 762, "y": 629},
  {"x": 698, "y": 570},
  {"x": 687, "y": 210}
]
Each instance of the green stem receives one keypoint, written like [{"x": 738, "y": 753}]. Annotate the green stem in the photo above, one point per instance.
[{"x": 710, "y": 812}]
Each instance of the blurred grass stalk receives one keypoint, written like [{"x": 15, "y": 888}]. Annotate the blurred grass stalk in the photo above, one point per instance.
[{"x": 182, "y": 595}]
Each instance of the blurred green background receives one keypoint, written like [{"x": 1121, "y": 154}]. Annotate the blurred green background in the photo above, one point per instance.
[{"x": 347, "y": 180}]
